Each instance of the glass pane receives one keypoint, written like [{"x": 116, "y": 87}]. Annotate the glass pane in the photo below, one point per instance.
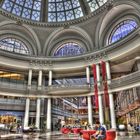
[
  {"x": 29, "y": 9},
  {"x": 95, "y": 4},
  {"x": 69, "y": 49},
  {"x": 123, "y": 29},
  {"x": 13, "y": 45},
  {"x": 63, "y": 10}
]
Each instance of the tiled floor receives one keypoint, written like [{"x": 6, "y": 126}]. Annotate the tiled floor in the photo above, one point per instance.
[
  {"x": 58, "y": 136},
  {"x": 51, "y": 136}
]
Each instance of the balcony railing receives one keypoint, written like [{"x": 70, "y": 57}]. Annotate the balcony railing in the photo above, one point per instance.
[
  {"x": 12, "y": 101},
  {"x": 22, "y": 88},
  {"x": 126, "y": 80}
]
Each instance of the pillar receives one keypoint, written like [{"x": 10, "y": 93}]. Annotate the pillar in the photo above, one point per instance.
[
  {"x": 101, "y": 115},
  {"x": 108, "y": 73},
  {"x": 30, "y": 78},
  {"x": 50, "y": 78},
  {"x": 100, "y": 101},
  {"x": 88, "y": 74},
  {"x": 26, "y": 116},
  {"x": 112, "y": 111},
  {"x": 49, "y": 104},
  {"x": 90, "y": 118},
  {"x": 49, "y": 114},
  {"x": 37, "y": 123},
  {"x": 111, "y": 100},
  {"x": 98, "y": 74},
  {"x": 40, "y": 78}
]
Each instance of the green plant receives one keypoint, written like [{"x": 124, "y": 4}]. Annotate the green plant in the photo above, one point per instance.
[{"x": 120, "y": 121}]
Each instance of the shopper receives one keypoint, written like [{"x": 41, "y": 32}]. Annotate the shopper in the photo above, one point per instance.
[{"x": 100, "y": 132}]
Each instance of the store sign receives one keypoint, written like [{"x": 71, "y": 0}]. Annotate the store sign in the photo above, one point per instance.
[{"x": 11, "y": 113}]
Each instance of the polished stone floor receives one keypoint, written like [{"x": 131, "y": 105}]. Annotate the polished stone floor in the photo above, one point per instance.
[{"x": 59, "y": 136}]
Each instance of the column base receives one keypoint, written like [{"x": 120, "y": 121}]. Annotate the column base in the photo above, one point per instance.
[{"x": 48, "y": 130}]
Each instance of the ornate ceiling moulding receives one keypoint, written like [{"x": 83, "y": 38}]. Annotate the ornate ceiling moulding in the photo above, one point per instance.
[
  {"x": 39, "y": 63},
  {"x": 57, "y": 24},
  {"x": 96, "y": 58}
]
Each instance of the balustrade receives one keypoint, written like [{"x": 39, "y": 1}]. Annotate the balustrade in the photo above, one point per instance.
[{"x": 115, "y": 83}]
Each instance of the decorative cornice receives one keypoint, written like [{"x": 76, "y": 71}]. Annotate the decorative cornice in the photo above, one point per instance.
[
  {"x": 61, "y": 24},
  {"x": 96, "y": 57},
  {"x": 40, "y": 63}
]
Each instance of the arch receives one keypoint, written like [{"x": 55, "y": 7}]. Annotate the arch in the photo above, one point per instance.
[
  {"x": 116, "y": 12},
  {"x": 121, "y": 30},
  {"x": 15, "y": 45},
  {"x": 29, "y": 37},
  {"x": 63, "y": 35},
  {"x": 16, "y": 35},
  {"x": 68, "y": 49}
]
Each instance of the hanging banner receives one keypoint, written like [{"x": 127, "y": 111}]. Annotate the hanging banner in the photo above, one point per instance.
[
  {"x": 105, "y": 85},
  {"x": 95, "y": 85}
]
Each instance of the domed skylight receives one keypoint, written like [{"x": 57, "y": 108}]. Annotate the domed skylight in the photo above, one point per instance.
[{"x": 50, "y": 10}]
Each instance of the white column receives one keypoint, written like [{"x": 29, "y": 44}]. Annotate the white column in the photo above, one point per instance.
[
  {"x": 49, "y": 104},
  {"x": 40, "y": 78},
  {"x": 50, "y": 78},
  {"x": 49, "y": 114},
  {"x": 112, "y": 111},
  {"x": 100, "y": 101},
  {"x": 90, "y": 118},
  {"x": 30, "y": 77},
  {"x": 37, "y": 123},
  {"x": 88, "y": 74},
  {"x": 98, "y": 74},
  {"x": 101, "y": 115},
  {"x": 108, "y": 72},
  {"x": 26, "y": 116}
]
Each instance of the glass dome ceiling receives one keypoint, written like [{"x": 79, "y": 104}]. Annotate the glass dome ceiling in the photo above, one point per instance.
[{"x": 51, "y": 10}]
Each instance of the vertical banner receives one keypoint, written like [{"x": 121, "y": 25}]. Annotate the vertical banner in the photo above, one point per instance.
[
  {"x": 105, "y": 86},
  {"x": 95, "y": 85}
]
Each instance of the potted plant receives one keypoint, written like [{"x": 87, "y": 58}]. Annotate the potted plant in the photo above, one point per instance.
[{"x": 121, "y": 125}]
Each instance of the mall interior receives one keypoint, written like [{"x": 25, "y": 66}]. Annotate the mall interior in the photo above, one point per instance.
[{"x": 69, "y": 60}]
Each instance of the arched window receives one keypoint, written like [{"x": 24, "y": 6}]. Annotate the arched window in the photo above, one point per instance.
[
  {"x": 121, "y": 30},
  {"x": 69, "y": 49},
  {"x": 13, "y": 45}
]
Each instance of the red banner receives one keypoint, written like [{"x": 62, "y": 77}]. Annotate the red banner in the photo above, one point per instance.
[
  {"x": 105, "y": 85},
  {"x": 95, "y": 85}
]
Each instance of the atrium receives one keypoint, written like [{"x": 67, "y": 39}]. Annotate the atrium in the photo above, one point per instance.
[{"x": 76, "y": 61}]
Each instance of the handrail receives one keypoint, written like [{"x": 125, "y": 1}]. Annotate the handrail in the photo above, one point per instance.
[
  {"x": 123, "y": 81},
  {"x": 127, "y": 79}
]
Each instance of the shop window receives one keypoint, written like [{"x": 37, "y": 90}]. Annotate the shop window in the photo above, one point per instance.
[{"x": 122, "y": 29}]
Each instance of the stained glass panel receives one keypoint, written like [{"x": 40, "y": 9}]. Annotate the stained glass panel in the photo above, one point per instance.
[
  {"x": 69, "y": 49},
  {"x": 13, "y": 45},
  {"x": 123, "y": 29},
  {"x": 63, "y": 10},
  {"x": 29, "y": 9},
  {"x": 95, "y": 4}
]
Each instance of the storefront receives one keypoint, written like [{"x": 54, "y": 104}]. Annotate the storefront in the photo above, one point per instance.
[{"x": 11, "y": 116}]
